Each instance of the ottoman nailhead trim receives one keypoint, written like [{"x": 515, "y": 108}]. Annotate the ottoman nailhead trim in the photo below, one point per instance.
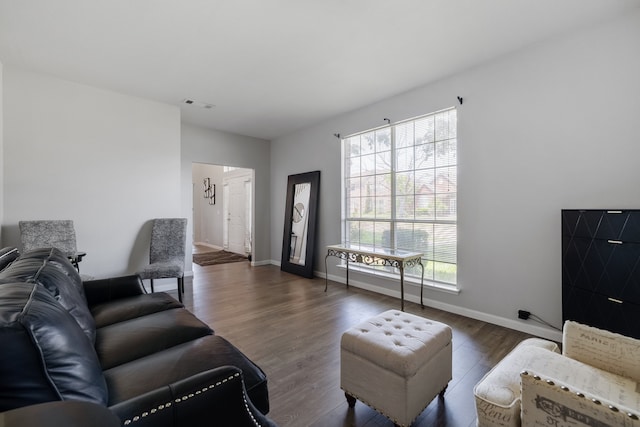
[{"x": 381, "y": 412}]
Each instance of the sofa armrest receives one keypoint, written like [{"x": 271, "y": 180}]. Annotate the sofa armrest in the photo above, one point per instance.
[
  {"x": 60, "y": 413},
  {"x": 547, "y": 402},
  {"x": 602, "y": 349},
  {"x": 105, "y": 290},
  {"x": 213, "y": 397}
]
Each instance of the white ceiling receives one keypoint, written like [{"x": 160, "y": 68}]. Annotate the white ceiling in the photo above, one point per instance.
[{"x": 273, "y": 66}]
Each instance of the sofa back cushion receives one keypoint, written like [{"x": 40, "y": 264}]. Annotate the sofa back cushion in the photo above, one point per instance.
[
  {"x": 51, "y": 269},
  {"x": 45, "y": 355},
  {"x": 602, "y": 349}
]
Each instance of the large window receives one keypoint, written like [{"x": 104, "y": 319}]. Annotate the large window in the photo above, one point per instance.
[{"x": 400, "y": 186}]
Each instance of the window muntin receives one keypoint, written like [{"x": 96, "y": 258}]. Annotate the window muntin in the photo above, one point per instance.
[{"x": 401, "y": 191}]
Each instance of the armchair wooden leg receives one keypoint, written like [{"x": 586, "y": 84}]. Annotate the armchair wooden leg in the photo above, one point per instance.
[
  {"x": 180, "y": 288},
  {"x": 351, "y": 401},
  {"x": 151, "y": 280}
]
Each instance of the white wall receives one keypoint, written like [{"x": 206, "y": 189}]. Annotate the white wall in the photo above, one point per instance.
[
  {"x": 110, "y": 162},
  {"x": 220, "y": 148},
  {"x": 554, "y": 126},
  {"x": 207, "y": 219},
  {"x": 1, "y": 152}
]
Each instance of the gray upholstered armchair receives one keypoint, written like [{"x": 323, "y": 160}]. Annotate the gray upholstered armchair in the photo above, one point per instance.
[
  {"x": 167, "y": 252},
  {"x": 59, "y": 234}
]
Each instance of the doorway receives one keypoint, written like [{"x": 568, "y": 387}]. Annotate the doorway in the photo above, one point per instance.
[{"x": 223, "y": 218}]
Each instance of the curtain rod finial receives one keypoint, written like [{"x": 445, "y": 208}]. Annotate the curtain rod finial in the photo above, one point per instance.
[
  {"x": 337, "y": 135},
  {"x": 387, "y": 120}
]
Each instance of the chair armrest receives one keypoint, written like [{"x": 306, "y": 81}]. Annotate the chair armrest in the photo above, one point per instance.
[
  {"x": 547, "y": 402},
  {"x": 602, "y": 349},
  {"x": 62, "y": 413},
  {"x": 213, "y": 397},
  {"x": 105, "y": 290}
]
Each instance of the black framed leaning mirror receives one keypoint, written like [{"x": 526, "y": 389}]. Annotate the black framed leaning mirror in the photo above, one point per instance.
[{"x": 299, "y": 237}]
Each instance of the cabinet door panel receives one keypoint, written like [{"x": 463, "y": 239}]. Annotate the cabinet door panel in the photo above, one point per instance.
[
  {"x": 602, "y": 224},
  {"x": 570, "y": 219},
  {"x": 631, "y": 232},
  {"x": 600, "y": 266},
  {"x": 613, "y": 270},
  {"x": 587, "y": 223},
  {"x": 584, "y": 262},
  {"x": 599, "y": 311},
  {"x": 611, "y": 225}
]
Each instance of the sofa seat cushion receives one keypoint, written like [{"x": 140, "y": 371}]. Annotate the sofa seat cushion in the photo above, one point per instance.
[
  {"x": 45, "y": 355},
  {"x": 176, "y": 363},
  {"x": 135, "y": 338},
  {"x": 129, "y": 308}
]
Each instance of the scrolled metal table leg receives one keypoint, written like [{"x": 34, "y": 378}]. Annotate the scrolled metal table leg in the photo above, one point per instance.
[
  {"x": 347, "y": 261},
  {"x": 326, "y": 273},
  {"x": 421, "y": 284},
  {"x": 402, "y": 287}
]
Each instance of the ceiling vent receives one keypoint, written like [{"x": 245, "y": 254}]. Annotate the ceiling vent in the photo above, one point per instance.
[{"x": 192, "y": 103}]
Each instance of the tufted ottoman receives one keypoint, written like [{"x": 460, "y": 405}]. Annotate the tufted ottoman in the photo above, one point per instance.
[{"x": 396, "y": 363}]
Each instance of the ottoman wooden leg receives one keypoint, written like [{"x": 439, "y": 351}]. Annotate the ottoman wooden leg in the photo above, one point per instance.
[{"x": 351, "y": 401}]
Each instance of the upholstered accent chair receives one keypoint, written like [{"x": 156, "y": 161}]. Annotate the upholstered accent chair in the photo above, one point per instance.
[
  {"x": 59, "y": 234},
  {"x": 167, "y": 252},
  {"x": 594, "y": 382}
]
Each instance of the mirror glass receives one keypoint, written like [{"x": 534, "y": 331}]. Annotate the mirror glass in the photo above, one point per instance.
[{"x": 299, "y": 223}]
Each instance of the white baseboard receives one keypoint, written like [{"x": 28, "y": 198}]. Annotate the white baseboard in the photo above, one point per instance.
[
  {"x": 208, "y": 245},
  {"x": 518, "y": 325}
]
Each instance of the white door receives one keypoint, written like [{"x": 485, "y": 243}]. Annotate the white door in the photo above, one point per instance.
[
  {"x": 236, "y": 212},
  {"x": 225, "y": 216}
]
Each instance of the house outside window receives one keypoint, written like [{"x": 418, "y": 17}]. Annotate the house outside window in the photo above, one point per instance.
[{"x": 400, "y": 191}]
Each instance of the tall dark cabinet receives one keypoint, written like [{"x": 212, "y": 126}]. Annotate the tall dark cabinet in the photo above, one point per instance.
[{"x": 601, "y": 269}]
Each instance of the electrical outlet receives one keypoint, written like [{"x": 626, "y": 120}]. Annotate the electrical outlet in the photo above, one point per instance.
[{"x": 523, "y": 314}]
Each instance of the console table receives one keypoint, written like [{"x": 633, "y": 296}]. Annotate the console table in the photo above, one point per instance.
[{"x": 376, "y": 256}]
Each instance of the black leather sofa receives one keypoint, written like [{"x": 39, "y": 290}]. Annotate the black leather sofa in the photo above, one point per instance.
[{"x": 143, "y": 356}]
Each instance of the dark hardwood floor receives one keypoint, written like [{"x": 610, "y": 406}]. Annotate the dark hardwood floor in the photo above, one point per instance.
[{"x": 291, "y": 328}]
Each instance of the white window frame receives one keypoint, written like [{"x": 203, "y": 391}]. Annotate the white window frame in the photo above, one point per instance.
[{"x": 440, "y": 260}]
